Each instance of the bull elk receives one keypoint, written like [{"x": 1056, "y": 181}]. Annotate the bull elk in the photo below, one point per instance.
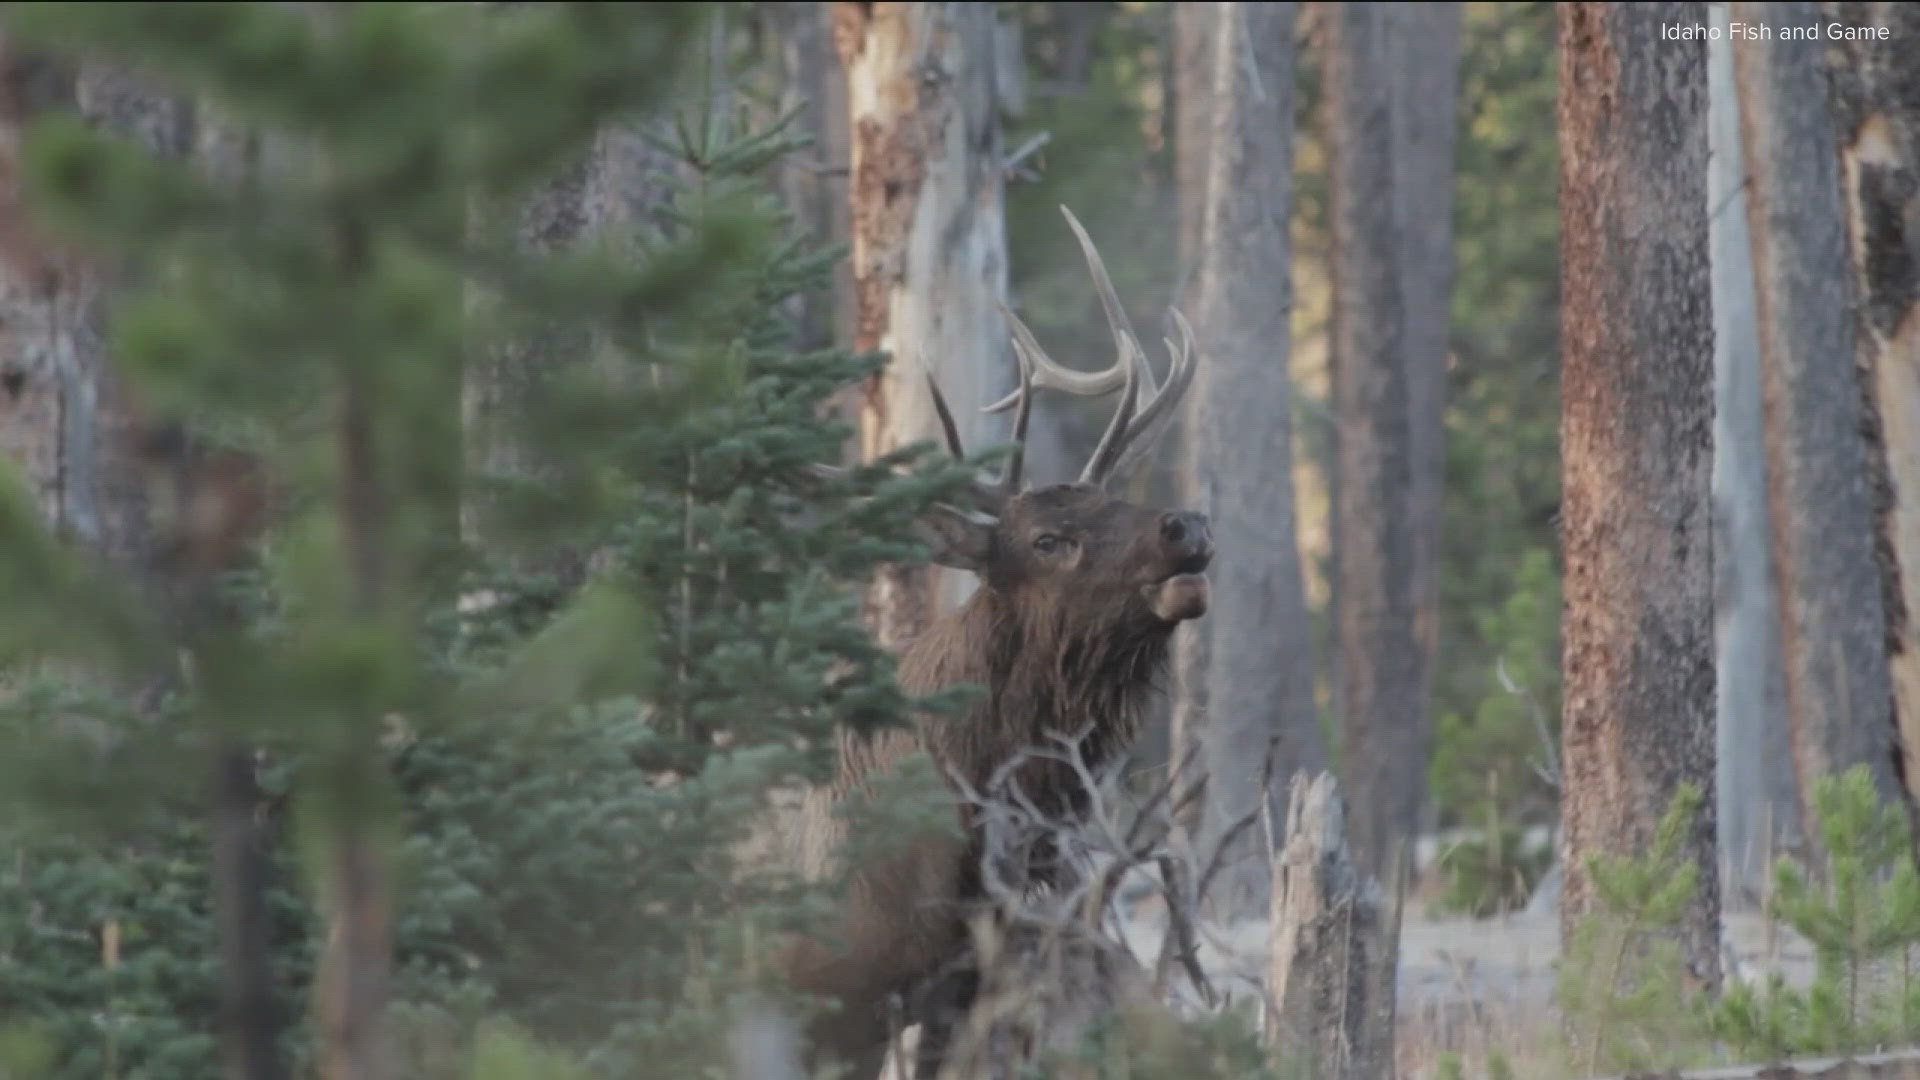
[{"x": 1080, "y": 592}]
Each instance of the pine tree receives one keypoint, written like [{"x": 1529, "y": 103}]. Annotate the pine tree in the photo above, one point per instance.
[{"x": 511, "y": 802}]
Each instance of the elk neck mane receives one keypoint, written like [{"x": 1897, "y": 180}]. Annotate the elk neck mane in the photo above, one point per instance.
[{"x": 1047, "y": 668}]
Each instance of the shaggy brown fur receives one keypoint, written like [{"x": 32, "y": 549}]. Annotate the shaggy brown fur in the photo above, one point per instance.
[{"x": 1079, "y": 598}]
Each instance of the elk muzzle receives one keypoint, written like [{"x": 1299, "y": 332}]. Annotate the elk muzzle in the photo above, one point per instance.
[{"x": 1186, "y": 547}]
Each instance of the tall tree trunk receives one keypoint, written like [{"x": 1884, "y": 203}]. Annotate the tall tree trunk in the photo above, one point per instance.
[
  {"x": 1259, "y": 655},
  {"x": 1195, "y": 31},
  {"x": 929, "y": 246},
  {"x": 1426, "y": 83},
  {"x": 1391, "y": 271},
  {"x": 1876, "y": 100},
  {"x": 813, "y": 182},
  {"x": 1636, "y": 442},
  {"x": 353, "y": 976},
  {"x": 1757, "y": 804},
  {"x": 607, "y": 196},
  {"x": 66, "y": 415},
  {"x": 1833, "y": 621},
  {"x": 1192, "y": 86}
]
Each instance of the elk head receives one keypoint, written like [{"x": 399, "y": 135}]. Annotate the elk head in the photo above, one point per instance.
[{"x": 1105, "y": 559}]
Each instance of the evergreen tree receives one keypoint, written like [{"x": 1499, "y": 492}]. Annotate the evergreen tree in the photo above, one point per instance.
[{"x": 522, "y": 794}]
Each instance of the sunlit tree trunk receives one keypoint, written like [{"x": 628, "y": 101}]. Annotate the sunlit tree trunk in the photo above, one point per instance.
[
  {"x": 1636, "y": 442},
  {"x": 1877, "y": 116},
  {"x": 929, "y": 245},
  {"x": 1758, "y": 805},
  {"x": 1833, "y": 622}
]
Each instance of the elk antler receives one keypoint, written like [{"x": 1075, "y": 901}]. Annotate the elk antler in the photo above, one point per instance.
[
  {"x": 1144, "y": 411},
  {"x": 1145, "y": 408}
]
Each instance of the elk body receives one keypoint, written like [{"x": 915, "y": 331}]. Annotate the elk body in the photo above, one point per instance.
[{"x": 1080, "y": 593}]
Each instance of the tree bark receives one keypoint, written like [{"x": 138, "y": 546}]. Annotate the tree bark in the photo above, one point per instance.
[
  {"x": 1195, "y": 30},
  {"x": 1876, "y": 97},
  {"x": 1259, "y": 672},
  {"x": 1383, "y": 758},
  {"x": 609, "y": 195},
  {"x": 1636, "y": 444},
  {"x": 929, "y": 247},
  {"x": 1335, "y": 949},
  {"x": 812, "y": 82},
  {"x": 1192, "y": 88},
  {"x": 1426, "y": 84},
  {"x": 1757, "y": 802},
  {"x": 100, "y": 471},
  {"x": 64, "y": 414},
  {"x": 1833, "y": 621}
]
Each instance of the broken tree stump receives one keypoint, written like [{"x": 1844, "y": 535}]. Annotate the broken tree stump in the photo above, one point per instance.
[{"x": 1335, "y": 947}]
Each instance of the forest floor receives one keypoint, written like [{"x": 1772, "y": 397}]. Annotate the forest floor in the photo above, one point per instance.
[{"x": 1469, "y": 984}]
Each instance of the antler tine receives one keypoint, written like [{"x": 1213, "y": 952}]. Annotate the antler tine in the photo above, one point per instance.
[
  {"x": 1155, "y": 416},
  {"x": 1126, "y": 344},
  {"x": 1050, "y": 375},
  {"x": 1114, "y": 439},
  {"x": 947, "y": 426},
  {"x": 985, "y": 495},
  {"x": 1010, "y": 482}
]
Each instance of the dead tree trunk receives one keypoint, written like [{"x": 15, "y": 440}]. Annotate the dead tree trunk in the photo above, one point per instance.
[
  {"x": 1259, "y": 673},
  {"x": 1335, "y": 947},
  {"x": 1636, "y": 441},
  {"x": 1877, "y": 116},
  {"x": 1757, "y": 804},
  {"x": 1833, "y": 622},
  {"x": 929, "y": 245}
]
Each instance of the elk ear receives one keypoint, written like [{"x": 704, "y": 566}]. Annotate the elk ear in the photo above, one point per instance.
[{"x": 958, "y": 539}]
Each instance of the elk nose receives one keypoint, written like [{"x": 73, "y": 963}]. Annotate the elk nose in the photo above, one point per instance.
[{"x": 1186, "y": 533}]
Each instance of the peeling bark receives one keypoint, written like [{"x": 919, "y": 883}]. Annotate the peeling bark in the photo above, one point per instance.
[
  {"x": 1821, "y": 497},
  {"x": 929, "y": 246},
  {"x": 1876, "y": 98}
]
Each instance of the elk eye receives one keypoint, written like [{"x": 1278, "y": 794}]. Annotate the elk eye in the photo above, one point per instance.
[{"x": 1046, "y": 543}]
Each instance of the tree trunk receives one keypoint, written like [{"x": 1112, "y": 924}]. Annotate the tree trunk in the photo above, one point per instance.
[
  {"x": 929, "y": 247},
  {"x": 814, "y": 84},
  {"x": 98, "y": 471},
  {"x": 1192, "y": 88},
  {"x": 1426, "y": 83},
  {"x": 1757, "y": 804},
  {"x": 64, "y": 414},
  {"x": 1335, "y": 949},
  {"x": 1833, "y": 621},
  {"x": 1194, "y": 60},
  {"x": 1259, "y": 673},
  {"x": 1877, "y": 115},
  {"x": 1382, "y": 757},
  {"x": 1636, "y": 443},
  {"x": 606, "y": 196}
]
